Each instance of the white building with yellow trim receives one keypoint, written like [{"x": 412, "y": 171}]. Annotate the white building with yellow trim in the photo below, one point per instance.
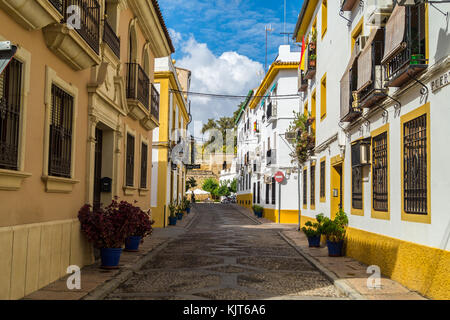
[
  {"x": 379, "y": 93},
  {"x": 169, "y": 175},
  {"x": 262, "y": 149}
]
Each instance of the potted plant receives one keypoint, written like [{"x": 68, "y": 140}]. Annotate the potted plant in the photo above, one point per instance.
[
  {"x": 335, "y": 232},
  {"x": 312, "y": 43},
  {"x": 172, "y": 215},
  {"x": 107, "y": 228},
  {"x": 258, "y": 210},
  {"x": 142, "y": 228},
  {"x": 312, "y": 60},
  {"x": 313, "y": 231},
  {"x": 179, "y": 211},
  {"x": 186, "y": 205}
]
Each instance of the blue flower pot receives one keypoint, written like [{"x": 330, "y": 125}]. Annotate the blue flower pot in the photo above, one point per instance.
[
  {"x": 172, "y": 221},
  {"x": 179, "y": 216},
  {"x": 255, "y": 213},
  {"x": 259, "y": 214},
  {"x": 335, "y": 248},
  {"x": 188, "y": 210},
  {"x": 110, "y": 257},
  {"x": 132, "y": 243},
  {"x": 314, "y": 242}
]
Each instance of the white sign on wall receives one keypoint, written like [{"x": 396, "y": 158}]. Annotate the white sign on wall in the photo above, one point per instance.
[{"x": 440, "y": 81}]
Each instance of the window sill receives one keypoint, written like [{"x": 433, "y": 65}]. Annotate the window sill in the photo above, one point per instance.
[
  {"x": 357, "y": 212},
  {"x": 143, "y": 192},
  {"x": 129, "y": 191},
  {"x": 11, "y": 180},
  {"x": 59, "y": 185}
]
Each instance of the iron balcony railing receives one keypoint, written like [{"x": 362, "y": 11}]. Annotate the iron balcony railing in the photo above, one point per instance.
[
  {"x": 155, "y": 103},
  {"x": 269, "y": 110},
  {"x": 138, "y": 84},
  {"x": 89, "y": 11},
  {"x": 111, "y": 39},
  {"x": 413, "y": 53},
  {"x": 303, "y": 82}
]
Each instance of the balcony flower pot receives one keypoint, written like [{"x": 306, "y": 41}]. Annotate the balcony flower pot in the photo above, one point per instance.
[
  {"x": 173, "y": 221},
  {"x": 312, "y": 46},
  {"x": 335, "y": 248},
  {"x": 314, "y": 241},
  {"x": 179, "y": 215},
  {"x": 416, "y": 59},
  {"x": 132, "y": 243},
  {"x": 188, "y": 210},
  {"x": 110, "y": 257}
]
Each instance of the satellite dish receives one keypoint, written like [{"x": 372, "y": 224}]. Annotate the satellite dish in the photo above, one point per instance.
[{"x": 7, "y": 52}]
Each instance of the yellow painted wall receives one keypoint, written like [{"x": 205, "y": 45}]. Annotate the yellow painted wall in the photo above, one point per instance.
[
  {"x": 420, "y": 268},
  {"x": 286, "y": 216},
  {"x": 35, "y": 255},
  {"x": 245, "y": 200}
]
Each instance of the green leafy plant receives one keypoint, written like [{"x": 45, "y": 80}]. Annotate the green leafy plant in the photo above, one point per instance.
[
  {"x": 314, "y": 229},
  {"x": 335, "y": 229},
  {"x": 172, "y": 209},
  {"x": 233, "y": 186},
  {"x": 305, "y": 137},
  {"x": 185, "y": 203},
  {"x": 258, "y": 209},
  {"x": 313, "y": 36}
]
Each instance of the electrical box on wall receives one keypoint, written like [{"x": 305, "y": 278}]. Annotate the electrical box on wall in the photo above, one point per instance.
[{"x": 106, "y": 184}]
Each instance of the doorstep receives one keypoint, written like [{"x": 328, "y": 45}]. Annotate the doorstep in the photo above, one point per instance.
[
  {"x": 96, "y": 283},
  {"x": 348, "y": 275}
]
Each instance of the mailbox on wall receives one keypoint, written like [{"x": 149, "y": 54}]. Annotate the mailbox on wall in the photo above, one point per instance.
[{"x": 106, "y": 185}]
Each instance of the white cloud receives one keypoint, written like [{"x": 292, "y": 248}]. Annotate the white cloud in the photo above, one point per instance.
[
  {"x": 176, "y": 37},
  {"x": 230, "y": 74}
]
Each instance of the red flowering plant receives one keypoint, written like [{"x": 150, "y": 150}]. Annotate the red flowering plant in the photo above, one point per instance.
[
  {"x": 304, "y": 141},
  {"x": 142, "y": 224},
  {"x": 109, "y": 227}
]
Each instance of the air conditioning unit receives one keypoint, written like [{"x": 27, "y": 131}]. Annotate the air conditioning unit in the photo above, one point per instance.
[{"x": 360, "y": 43}]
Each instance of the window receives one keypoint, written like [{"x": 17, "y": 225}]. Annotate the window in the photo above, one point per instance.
[
  {"x": 323, "y": 97},
  {"x": 313, "y": 110},
  {"x": 322, "y": 180},
  {"x": 324, "y": 17},
  {"x": 305, "y": 186},
  {"x": 144, "y": 157},
  {"x": 259, "y": 193},
  {"x": 380, "y": 183},
  {"x": 130, "y": 161},
  {"x": 313, "y": 187},
  {"x": 267, "y": 193},
  {"x": 10, "y": 92},
  {"x": 273, "y": 191},
  {"x": 415, "y": 165},
  {"x": 254, "y": 192},
  {"x": 59, "y": 163},
  {"x": 357, "y": 188},
  {"x": 357, "y": 31}
]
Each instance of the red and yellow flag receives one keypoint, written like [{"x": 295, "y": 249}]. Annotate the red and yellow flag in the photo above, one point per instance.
[{"x": 302, "y": 56}]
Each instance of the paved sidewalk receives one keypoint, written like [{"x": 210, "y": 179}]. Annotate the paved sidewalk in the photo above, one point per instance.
[
  {"x": 97, "y": 282},
  {"x": 348, "y": 275}
]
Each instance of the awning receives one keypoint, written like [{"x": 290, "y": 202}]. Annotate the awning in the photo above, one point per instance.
[
  {"x": 365, "y": 62},
  {"x": 395, "y": 32},
  {"x": 345, "y": 84}
]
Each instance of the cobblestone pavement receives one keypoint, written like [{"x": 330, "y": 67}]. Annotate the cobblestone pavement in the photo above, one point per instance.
[{"x": 225, "y": 255}]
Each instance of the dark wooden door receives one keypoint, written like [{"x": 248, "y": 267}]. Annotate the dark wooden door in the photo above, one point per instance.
[{"x": 98, "y": 168}]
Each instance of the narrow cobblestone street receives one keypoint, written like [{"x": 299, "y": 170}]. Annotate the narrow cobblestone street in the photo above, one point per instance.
[{"x": 225, "y": 255}]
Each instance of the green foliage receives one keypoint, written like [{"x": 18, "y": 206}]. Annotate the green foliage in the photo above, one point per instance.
[
  {"x": 209, "y": 185},
  {"x": 185, "y": 203},
  {"x": 223, "y": 125},
  {"x": 316, "y": 228},
  {"x": 191, "y": 183},
  {"x": 257, "y": 209},
  {"x": 223, "y": 190},
  {"x": 233, "y": 186},
  {"x": 335, "y": 229},
  {"x": 305, "y": 138},
  {"x": 173, "y": 209}
]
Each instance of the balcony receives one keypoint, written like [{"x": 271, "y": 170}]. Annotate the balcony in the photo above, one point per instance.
[
  {"x": 370, "y": 73},
  {"x": 271, "y": 111},
  {"x": 271, "y": 157},
  {"x": 302, "y": 81},
  {"x": 347, "y": 5},
  {"x": 311, "y": 61},
  {"x": 405, "y": 55},
  {"x": 350, "y": 109},
  {"x": 138, "y": 93},
  {"x": 111, "y": 39},
  {"x": 154, "y": 111},
  {"x": 32, "y": 14},
  {"x": 79, "y": 47}
]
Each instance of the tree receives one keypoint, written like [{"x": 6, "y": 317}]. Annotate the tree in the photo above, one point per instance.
[
  {"x": 223, "y": 190},
  {"x": 191, "y": 183},
  {"x": 233, "y": 186},
  {"x": 210, "y": 185}
]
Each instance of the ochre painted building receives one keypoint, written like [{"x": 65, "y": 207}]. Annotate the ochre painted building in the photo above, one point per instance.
[{"x": 77, "y": 106}]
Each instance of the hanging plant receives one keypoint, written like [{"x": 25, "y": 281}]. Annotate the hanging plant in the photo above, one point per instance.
[{"x": 304, "y": 142}]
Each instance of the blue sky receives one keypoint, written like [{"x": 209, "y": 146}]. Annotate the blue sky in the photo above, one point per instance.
[{"x": 223, "y": 43}]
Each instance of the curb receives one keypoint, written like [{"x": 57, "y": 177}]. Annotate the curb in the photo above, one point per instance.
[
  {"x": 103, "y": 290},
  {"x": 341, "y": 285},
  {"x": 246, "y": 215}
]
